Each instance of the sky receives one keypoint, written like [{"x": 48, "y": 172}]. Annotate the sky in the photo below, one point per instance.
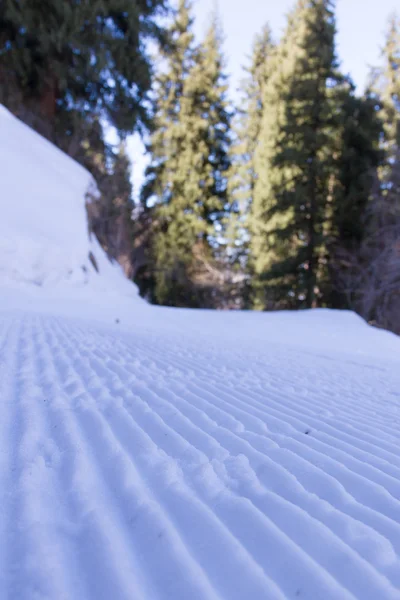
[{"x": 360, "y": 23}]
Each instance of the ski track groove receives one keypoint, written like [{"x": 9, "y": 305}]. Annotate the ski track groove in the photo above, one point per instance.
[
  {"x": 101, "y": 362},
  {"x": 299, "y": 448},
  {"x": 9, "y": 368},
  {"x": 296, "y": 498},
  {"x": 132, "y": 497},
  {"x": 237, "y": 586},
  {"x": 266, "y": 382},
  {"x": 301, "y": 425},
  {"x": 277, "y": 399},
  {"x": 88, "y": 519},
  {"x": 33, "y": 549},
  {"x": 329, "y": 440},
  {"x": 120, "y": 446}
]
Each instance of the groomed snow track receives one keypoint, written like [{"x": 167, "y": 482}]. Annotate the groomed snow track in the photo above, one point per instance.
[{"x": 140, "y": 466}]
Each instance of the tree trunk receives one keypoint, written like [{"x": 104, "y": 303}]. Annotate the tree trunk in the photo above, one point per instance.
[
  {"x": 311, "y": 250},
  {"x": 48, "y": 99}
]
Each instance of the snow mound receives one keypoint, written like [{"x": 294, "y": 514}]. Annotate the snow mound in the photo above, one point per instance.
[{"x": 44, "y": 238}]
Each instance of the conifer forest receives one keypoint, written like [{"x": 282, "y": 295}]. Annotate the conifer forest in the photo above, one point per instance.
[{"x": 283, "y": 195}]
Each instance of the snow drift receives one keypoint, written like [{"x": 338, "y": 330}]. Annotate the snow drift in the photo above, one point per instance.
[{"x": 44, "y": 238}]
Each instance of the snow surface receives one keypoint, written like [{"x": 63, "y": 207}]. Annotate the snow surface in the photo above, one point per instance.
[
  {"x": 150, "y": 453},
  {"x": 43, "y": 230}
]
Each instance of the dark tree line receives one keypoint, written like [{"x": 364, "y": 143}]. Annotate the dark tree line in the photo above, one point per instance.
[{"x": 289, "y": 200}]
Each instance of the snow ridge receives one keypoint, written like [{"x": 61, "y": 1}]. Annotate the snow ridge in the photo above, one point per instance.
[{"x": 164, "y": 467}]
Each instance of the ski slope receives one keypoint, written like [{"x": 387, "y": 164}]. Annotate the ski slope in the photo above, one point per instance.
[{"x": 155, "y": 454}]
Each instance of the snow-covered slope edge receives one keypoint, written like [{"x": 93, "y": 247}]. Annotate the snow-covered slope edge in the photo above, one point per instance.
[{"x": 44, "y": 238}]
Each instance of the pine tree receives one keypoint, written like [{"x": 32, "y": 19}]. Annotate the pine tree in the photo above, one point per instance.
[
  {"x": 206, "y": 120},
  {"x": 110, "y": 213},
  {"x": 170, "y": 250},
  {"x": 165, "y": 145},
  {"x": 120, "y": 222},
  {"x": 295, "y": 160},
  {"x": 87, "y": 56},
  {"x": 357, "y": 158},
  {"x": 247, "y": 124},
  {"x": 187, "y": 176},
  {"x": 375, "y": 272},
  {"x": 366, "y": 210},
  {"x": 387, "y": 87}
]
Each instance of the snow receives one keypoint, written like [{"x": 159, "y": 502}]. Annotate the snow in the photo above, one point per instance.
[
  {"x": 44, "y": 237},
  {"x": 157, "y": 453}
]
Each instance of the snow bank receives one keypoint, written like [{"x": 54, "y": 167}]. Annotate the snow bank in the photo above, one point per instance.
[{"x": 44, "y": 237}]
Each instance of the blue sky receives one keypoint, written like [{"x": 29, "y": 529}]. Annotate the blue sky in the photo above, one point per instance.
[{"x": 361, "y": 25}]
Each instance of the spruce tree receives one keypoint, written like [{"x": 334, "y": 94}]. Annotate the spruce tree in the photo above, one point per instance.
[
  {"x": 171, "y": 241},
  {"x": 187, "y": 176},
  {"x": 247, "y": 124},
  {"x": 294, "y": 159},
  {"x": 357, "y": 157},
  {"x": 387, "y": 87},
  {"x": 165, "y": 146},
  {"x": 120, "y": 222},
  {"x": 206, "y": 120},
  {"x": 87, "y": 56},
  {"x": 110, "y": 212},
  {"x": 376, "y": 273}
]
